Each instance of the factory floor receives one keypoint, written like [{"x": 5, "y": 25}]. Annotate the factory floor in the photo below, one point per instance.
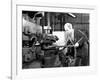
[
  {"x": 49, "y": 62},
  {"x": 33, "y": 64}
]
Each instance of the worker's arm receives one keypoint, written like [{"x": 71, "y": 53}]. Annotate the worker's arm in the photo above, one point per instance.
[{"x": 82, "y": 39}]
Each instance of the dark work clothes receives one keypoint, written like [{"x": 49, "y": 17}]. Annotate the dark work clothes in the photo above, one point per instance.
[{"x": 82, "y": 52}]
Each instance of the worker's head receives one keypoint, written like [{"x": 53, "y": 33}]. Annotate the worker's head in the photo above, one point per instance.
[{"x": 68, "y": 27}]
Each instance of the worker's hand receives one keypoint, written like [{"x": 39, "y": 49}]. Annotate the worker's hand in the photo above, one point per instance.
[
  {"x": 60, "y": 48},
  {"x": 77, "y": 45}
]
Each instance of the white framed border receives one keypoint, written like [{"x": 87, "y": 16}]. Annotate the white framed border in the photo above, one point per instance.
[{"x": 16, "y": 69}]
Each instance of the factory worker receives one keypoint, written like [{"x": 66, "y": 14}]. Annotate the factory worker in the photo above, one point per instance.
[
  {"x": 80, "y": 41},
  {"x": 69, "y": 36},
  {"x": 82, "y": 51},
  {"x": 69, "y": 32}
]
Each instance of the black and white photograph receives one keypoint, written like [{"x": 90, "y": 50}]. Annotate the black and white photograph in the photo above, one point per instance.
[
  {"x": 55, "y": 39},
  {"x": 50, "y": 40}
]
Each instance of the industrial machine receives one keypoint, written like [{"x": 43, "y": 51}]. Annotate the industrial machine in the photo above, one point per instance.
[{"x": 40, "y": 47}]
